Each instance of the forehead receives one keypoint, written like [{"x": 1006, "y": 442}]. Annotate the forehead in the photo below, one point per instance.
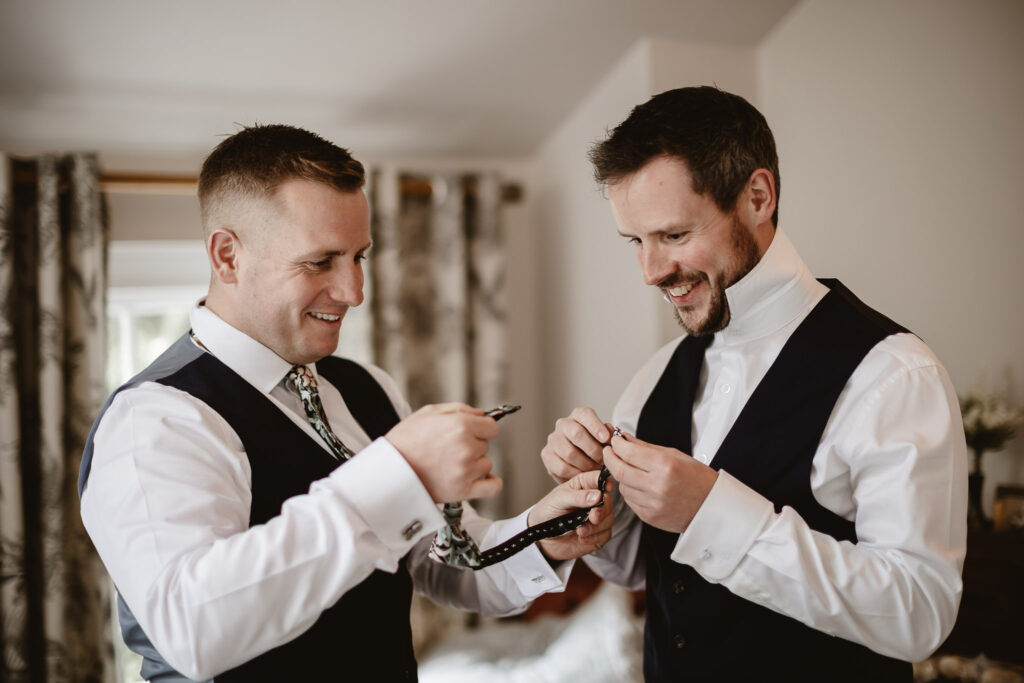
[
  {"x": 314, "y": 213},
  {"x": 657, "y": 196}
]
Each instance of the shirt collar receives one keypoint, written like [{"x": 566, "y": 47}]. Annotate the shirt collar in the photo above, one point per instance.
[
  {"x": 776, "y": 291},
  {"x": 253, "y": 361}
]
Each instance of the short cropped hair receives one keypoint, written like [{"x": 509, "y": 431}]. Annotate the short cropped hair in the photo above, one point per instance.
[
  {"x": 720, "y": 137},
  {"x": 254, "y": 162}
]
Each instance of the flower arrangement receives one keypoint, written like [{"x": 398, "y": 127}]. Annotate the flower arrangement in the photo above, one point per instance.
[{"x": 989, "y": 422}]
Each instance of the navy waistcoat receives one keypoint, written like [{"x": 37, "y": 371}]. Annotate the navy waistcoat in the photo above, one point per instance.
[
  {"x": 700, "y": 631},
  {"x": 365, "y": 635}
]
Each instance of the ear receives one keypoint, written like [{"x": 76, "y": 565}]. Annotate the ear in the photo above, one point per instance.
[
  {"x": 223, "y": 248},
  {"x": 759, "y": 196}
]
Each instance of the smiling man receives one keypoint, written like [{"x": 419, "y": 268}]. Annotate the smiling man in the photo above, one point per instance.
[
  {"x": 792, "y": 469},
  {"x": 266, "y": 509}
]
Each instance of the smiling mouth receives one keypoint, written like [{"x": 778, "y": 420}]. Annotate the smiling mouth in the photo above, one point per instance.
[
  {"x": 681, "y": 290},
  {"x": 326, "y": 317}
]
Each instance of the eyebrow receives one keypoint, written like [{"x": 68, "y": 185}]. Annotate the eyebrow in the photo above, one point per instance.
[
  {"x": 667, "y": 230},
  {"x": 316, "y": 255}
]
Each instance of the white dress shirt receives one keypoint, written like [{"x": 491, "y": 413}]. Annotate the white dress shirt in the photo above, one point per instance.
[
  {"x": 167, "y": 507},
  {"x": 892, "y": 460}
]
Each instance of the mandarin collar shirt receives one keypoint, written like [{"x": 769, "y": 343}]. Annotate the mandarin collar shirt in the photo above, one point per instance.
[
  {"x": 892, "y": 459},
  {"x": 167, "y": 507}
]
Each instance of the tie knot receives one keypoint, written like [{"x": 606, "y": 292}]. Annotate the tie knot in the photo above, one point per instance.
[{"x": 302, "y": 378}]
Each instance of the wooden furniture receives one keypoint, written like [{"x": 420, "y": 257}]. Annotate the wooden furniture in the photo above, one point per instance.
[{"x": 991, "y": 618}]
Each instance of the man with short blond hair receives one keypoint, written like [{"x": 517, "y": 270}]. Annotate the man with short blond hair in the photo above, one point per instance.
[{"x": 264, "y": 508}]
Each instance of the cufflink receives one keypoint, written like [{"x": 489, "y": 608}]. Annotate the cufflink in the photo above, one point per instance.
[{"x": 411, "y": 530}]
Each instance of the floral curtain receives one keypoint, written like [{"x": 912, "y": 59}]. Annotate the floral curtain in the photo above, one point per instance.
[
  {"x": 437, "y": 283},
  {"x": 437, "y": 303},
  {"x": 54, "y": 601}
]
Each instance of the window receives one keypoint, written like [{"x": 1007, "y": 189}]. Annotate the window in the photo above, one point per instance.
[{"x": 152, "y": 287}]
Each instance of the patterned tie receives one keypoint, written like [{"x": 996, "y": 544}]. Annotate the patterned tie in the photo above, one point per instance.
[{"x": 304, "y": 382}]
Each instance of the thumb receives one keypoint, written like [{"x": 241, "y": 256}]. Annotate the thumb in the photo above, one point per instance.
[{"x": 569, "y": 499}]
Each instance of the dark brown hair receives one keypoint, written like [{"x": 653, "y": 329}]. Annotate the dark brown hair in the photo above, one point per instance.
[
  {"x": 255, "y": 161},
  {"x": 721, "y": 137}
]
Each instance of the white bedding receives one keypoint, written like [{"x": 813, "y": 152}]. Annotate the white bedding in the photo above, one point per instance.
[{"x": 600, "y": 642}]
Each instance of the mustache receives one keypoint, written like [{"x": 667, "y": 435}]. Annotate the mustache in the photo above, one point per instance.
[{"x": 680, "y": 280}]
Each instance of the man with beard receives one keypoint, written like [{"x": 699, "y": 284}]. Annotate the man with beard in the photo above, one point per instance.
[{"x": 792, "y": 470}]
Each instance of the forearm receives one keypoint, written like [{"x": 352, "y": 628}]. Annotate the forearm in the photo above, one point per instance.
[
  {"x": 223, "y": 604},
  {"x": 502, "y": 589},
  {"x": 899, "y": 601},
  {"x": 170, "y": 519}
]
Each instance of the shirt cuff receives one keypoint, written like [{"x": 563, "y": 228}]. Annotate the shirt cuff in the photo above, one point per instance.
[
  {"x": 528, "y": 569},
  {"x": 724, "y": 528},
  {"x": 385, "y": 491}
]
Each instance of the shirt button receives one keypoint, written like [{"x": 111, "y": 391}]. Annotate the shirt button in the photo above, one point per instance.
[
  {"x": 726, "y": 388},
  {"x": 411, "y": 530},
  {"x": 705, "y": 554},
  {"x": 678, "y": 641},
  {"x": 678, "y": 587},
  {"x": 702, "y": 458}
]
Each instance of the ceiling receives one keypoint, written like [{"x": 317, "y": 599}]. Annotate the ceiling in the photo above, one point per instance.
[{"x": 458, "y": 78}]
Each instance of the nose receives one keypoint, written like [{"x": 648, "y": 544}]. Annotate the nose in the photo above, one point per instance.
[
  {"x": 654, "y": 264},
  {"x": 347, "y": 284}
]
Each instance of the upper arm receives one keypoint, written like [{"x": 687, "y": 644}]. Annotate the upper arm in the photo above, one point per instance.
[{"x": 168, "y": 475}]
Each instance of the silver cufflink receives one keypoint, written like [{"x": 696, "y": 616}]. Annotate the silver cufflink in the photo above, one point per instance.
[{"x": 411, "y": 530}]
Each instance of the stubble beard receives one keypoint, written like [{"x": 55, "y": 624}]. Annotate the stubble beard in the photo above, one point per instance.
[{"x": 746, "y": 256}]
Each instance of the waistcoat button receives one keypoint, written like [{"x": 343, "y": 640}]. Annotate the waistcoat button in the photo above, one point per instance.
[
  {"x": 679, "y": 641},
  {"x": 678, "y": 587}
]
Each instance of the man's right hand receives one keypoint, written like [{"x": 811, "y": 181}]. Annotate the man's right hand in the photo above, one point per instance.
[
  {"x": 575, "y": 445},
  {"x": 446, "y": 445}
]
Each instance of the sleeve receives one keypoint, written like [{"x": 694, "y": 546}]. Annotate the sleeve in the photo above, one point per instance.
[
  {"x": 620, "y": 560},
  {"x": 167, "y": 507},
  {"x": 502, "y": 589},
  {"x": 898, "y": 446}
]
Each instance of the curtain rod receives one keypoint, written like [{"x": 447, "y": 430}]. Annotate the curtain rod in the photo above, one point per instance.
[{"x": 152, "y": 183}]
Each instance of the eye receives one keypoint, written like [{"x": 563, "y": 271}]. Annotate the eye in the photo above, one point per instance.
[
  {"x": 322, "y": 264},
  {"x": 675, "y": 236},
  {"x": 633, "y": 241}
]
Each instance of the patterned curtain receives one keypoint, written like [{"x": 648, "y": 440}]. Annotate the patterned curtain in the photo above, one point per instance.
[
  {"x": 437, "y": 284},
  {"x": 436, "y": 294},
  {"x": 54, "y": 601}
]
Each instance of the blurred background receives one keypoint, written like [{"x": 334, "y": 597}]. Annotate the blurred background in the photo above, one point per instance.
[{"x": 897, "y": 123}]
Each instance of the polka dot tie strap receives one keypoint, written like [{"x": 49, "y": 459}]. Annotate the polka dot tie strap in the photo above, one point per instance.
[{"x": 453, "y": 546}]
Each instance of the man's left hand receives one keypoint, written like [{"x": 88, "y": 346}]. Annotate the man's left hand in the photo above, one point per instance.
[
  {"x": 663, "y": 486},
  {"x": 579, "y": 492}
]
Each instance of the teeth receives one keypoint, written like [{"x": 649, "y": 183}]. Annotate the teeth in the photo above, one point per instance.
[
  {"x": 325, "y": 316},
  {"x": 680, "y": 291}
]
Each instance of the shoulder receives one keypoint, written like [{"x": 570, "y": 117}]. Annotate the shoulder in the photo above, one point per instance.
[
  {"x": 897, "y": 355},
  {"x": 151, "y": 405},
  {"x": 899, "y": 373}
]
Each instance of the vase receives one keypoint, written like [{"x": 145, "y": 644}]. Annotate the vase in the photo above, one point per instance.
[{"x": 976, "y": 518}]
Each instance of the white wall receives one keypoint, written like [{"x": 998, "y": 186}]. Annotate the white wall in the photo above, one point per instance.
[
  {"x": 900, "y": 139},
  {"x": 675, "y": 65},
  {"x": 598, "y": 318}
]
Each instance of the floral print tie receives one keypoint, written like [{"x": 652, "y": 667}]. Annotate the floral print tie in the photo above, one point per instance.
[{"x": 304, "y": 382}]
